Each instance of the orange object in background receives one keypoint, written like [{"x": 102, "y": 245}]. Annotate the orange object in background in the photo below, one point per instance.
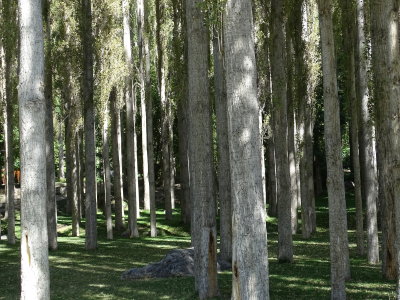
[{"x": 17, "y": 176}]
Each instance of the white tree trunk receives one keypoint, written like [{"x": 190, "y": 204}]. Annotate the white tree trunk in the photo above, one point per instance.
[
  {"x": 279, "y": 96},
  {"x": 107, "y": 177},
  {"x": 117, "y": 166},
  {"x": 89, "y": 127},
  {"x": 200, "y": 154},
  {"x": 385, "y": 66},
  {"x": 367, "y": 147},
  {"x": 130, "y": 127},
  {"x": 224, "y": 179},
  {"x": 339, "y": 252},
  {"x": 50, "y": 168},
  {"x": 35, "y": 277},
  {"x": 249, "y": 236},
  {"x": 142, "y": 43}
]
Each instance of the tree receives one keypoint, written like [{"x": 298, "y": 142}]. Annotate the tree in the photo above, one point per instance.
[
  {"x": 130, "y": 126},
  {"x": 339, "y": 252},
  {"x": 50, "y": 168},
  {"x": 89, "y": 119},
  {"x": 201, "y": 169},
  {"x": 249, "y": 236},
  {"x": 385, "y": 67},
  {"x": 9, "y": 19},
  {"x": 162, "y": 72},
  {"x": 279, "y": 99},
  {"x": 224, "y": 181},
  {"x": 106, "y": 169},
  {"x": 348, "y": 26},
  {"x": 35, "y": 278},
  {"x": 117, "y": 164},
  {"x": 367, "y": 139}
]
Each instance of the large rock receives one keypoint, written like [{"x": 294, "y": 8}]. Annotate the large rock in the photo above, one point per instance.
[{"x": 177, "y": 263}]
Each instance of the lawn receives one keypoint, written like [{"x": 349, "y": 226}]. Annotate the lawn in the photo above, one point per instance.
[{"x": 79, "y": 274}]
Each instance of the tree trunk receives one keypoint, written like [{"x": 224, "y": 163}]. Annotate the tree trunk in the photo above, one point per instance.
[
  {"x": 183, "y": 129},
  {"x": 224, "y": 178},
  {"x": 348, "y": 26},
  {"x": 366, "y": 139},
  {"x": 142, "y": 44},
  {"x": 201, "y": 168},
  {"x": 385, "y": 62},
  {"x": 335, "y": 182},
  {"x": 291, "y": 130},
  {"x": 130, "y": 127},
  {"x": 50, "y": 169},
  {"x": 89, "y": 119},
  {"x": 35, "y": 277},
  {"x": 61, "y": 160},
  {"x": 249, "y": 264},
  {"x": 161, "y": 73},
  {"x": 279, "y": 96},
  {"x": 149, "y": 124},
  {"x": 117, "y": 165},
  {"x": 107, "y": 173}
]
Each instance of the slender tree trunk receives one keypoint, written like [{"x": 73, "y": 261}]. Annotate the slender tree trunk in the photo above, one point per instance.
[
  {"x": 78, "y": 146},
  {"x": 183, "y": 129},
  {"x": 50, "y": 169},
  {"x": 335, "y": 182},
  {"x": 8, "y": 133},
  {"x": 367, "y": 147},
  {"x": 224, "y": 179},
  {"x": 385, "y": 66},
  {"x": 107, "y": 174},
  {"x": 291, "y": 130},
  {"x": 142, "y": 41},
  {"x": 204, "y": 233},
  {"x": 61, "y": 160},
  {"x": 117, "y": 165},
  {"x": 348, "y": 26},
  {"x": 271, "y": 176},
  {"x": 279, "y": 96},
  {"x": 35, "y": 278},
  {"x": 8, "y": 16},
  {"x": 161, "y": 73},
  {"x": 89, "y": 119},
  {"x": 149, "y": 124},
  {"x": 130, "y": 127},
  {"x": 249, "y": 264}
]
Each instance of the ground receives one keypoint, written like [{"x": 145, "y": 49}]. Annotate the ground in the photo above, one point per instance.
[{"x": 78, "y": 274}]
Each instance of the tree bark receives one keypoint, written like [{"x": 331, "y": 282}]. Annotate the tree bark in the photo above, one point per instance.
[
  {"x": 385, "y": 66},
  {"x": 201, "y": 168},
  {"x": 279, "y": 96},
  {"x": 339, "y": 252},
  {"x": 142, "y": 44},
  {"x": 162, "y": 68},
  {"x": 183, "y": 124},
  {"x": 89, "y": 119},
  {"x": 224, "y": 178},
  {"x": 35, "y": 278},
  {"x": 107, "y": 173},
  {"x": 366, "y": 138},
  {"x": 130, "y": 127},
  {"x": 291, "y": 130},
  {"x": 348, "y": 26},
  {"x": 50, "y": 169},
  {"x": 249, "y": 236},
  {"x": 117, "y": 166},
  {"x": 149, "y": 124}
]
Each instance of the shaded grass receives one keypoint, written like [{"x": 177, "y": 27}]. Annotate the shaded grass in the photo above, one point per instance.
[{"x": 80, "y": 274}]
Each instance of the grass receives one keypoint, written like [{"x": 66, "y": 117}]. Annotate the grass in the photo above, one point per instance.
[{"x": 79, "y": 274}]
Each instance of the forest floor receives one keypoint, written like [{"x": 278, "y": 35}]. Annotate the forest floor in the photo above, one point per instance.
[{"x": 79, "y": 274}]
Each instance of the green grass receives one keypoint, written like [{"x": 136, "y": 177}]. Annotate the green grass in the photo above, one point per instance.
[{"x": 79, "y": 274}]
